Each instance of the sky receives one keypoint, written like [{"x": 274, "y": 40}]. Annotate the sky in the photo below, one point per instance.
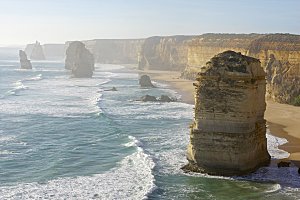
[{"x": 57, "y": 21}]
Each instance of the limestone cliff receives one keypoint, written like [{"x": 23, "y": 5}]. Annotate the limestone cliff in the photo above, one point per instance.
[
  {"x": 24, "y": 62},
  {"x": 278, "y": 53},
  {"x": 79, "y": 60},
  {"x": 280, "y": 56},
  {"x": 164, "y": 53},
  {"x": 228, "y": 135},
  {"x": 115, "y": 51}
]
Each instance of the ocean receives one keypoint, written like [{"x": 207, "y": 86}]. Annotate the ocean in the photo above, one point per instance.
[{"x": 69, "y": 138}]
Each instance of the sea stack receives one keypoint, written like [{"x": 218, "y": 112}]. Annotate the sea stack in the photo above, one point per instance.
[
  {"x": 37, "y": 52},
  {"x": 228, "y": 134},
  {"x": 79, "y": 60},
  {"x": 25, "y": 63},
  {"x": 145, "y": 81}
]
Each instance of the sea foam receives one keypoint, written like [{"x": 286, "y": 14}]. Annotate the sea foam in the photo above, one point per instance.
[{"x": 131, "y": 179}]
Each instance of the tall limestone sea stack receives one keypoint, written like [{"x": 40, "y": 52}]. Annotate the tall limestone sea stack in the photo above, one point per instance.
[
  {"x": 79, "y": 60},
  {"x": 37, "y": 52},
  {"x": 228, "y": 134},
  {"x": 24, "y": 62}
]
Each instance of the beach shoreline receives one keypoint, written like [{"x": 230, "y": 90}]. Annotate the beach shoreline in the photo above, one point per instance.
[{"x": 282, "y": 120}]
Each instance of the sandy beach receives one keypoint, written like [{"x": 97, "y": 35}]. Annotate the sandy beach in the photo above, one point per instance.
[{"x": 282, "y": 120}]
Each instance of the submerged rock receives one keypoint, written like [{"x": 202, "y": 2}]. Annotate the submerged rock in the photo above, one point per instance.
[
  {"x": 148, "y": 98},
  {"x": 25, "y": 63},
  {"x": 145, "y": 81},
  {"x": 37, "y": 52},
  {"x": 283, "y": 164},
  {"x": 79, "y": 60},
  {"x": 165, "y": 98},
  {"x": 228, "y": 134},
  {"x": 112, "y": 89},
  {"x": 162, "y": 98}
]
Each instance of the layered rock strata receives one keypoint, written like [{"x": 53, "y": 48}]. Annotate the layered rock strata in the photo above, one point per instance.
[
  {"x": 228, "y": 135},
  {"x": 279, "y": 55},
  {"x": 79, "y": 60},
  {"x": 24, "y": 62}
]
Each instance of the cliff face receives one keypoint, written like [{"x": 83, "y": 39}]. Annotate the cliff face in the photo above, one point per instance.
[
  {"x": 79, "y": 60},
  {"x": 115, "y": 51},
  {"x": 164, "y": 53},
  {"x": 280, "y": 56},
  {"x": 204, "y": 47},
  {"x": 278, "y": 53},
  {"x": 228, "y": 135}
]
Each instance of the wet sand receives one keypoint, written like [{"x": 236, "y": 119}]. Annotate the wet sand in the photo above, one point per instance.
[{"x": 283, "y": 120}]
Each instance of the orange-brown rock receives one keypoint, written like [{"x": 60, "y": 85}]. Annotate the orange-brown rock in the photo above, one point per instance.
[
  {"x": 228, "y": 135},
  {"x": 279, "y": 55}
]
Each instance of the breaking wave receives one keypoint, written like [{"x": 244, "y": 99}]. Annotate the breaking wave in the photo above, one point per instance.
[{"x": 131, "y": 179}]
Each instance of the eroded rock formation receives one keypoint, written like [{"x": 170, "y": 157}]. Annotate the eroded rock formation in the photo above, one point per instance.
[
  {"x": 37, "y": 52},
  {"x": 145, "y": 81},
  {"x": 79, "y": 60},
  {"x": 162, "y": 98},
  {"x": 24, "y": 62},
  {"x": 228, "y": 135}
]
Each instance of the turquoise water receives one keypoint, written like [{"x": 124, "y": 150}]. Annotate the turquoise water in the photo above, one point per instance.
[{"x": 67, "y": 138}]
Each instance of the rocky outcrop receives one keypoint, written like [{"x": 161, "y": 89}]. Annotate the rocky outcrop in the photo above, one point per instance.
[
  {"x": 164, "y": 53},
  {"x": 165, "y": 98},
  {"x": 148, "y": 98},
  {"x": 228, "y": 134},
  {"x": 24, "y": 62},
  {"x": 162, "y": 98},
  {"x": 113, "y": 89},
  {"x": 145, "y": 81},
  {"x": 79, "y": 60},
  {"x": 37, "y": 52}
]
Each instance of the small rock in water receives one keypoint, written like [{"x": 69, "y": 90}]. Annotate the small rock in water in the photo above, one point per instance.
[
  {"x": 283, "y": 164},
  {"x": 148, "y": 98},
  {"x": 165, "y": 98},
  {"x": 145, "y": 81},
  {"x": 112, "y": 89}
]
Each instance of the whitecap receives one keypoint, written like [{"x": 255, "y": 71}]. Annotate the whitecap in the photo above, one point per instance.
[
  {"x": 131, "y": 179},
  {"x": 35, "y": 78}
]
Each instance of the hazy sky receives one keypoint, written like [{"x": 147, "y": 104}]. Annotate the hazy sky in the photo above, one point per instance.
[{"x": 56, "y": 21}]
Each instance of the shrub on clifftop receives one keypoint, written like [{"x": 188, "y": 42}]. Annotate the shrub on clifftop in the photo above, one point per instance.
[{"x": 296, "y": 101}]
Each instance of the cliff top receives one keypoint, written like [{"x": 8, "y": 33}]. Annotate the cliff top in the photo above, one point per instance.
[
  {"x": 230, "y": 64},
  {"x": 278, "y": 41}
]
